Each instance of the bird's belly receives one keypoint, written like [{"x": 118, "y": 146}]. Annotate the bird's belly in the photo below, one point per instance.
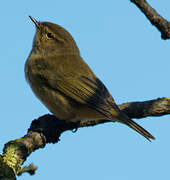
[
  {"x": 57, "y": 103},
  {"x": 84, "y": 112}
]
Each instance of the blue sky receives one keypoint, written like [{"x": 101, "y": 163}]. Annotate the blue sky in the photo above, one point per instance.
[{"x": 126, "y": 53}]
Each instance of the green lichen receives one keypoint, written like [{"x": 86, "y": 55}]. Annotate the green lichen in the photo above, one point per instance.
[
  {"x": 12, "y": 155},
  {"x": 6, "y": 172}
]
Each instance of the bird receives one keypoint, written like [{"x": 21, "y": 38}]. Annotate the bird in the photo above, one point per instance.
[{"x": 64, "y": 82}]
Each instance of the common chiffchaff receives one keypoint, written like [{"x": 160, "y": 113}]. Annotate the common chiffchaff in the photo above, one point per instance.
[{"x": 65, "y": 84}]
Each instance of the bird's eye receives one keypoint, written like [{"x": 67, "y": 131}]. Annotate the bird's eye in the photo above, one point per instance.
[{"x": 49, "y": 35}]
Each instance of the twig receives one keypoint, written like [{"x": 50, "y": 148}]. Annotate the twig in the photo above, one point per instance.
[
  {"x": 157, "y": 20},
  {"x": 28, "y": 169}
]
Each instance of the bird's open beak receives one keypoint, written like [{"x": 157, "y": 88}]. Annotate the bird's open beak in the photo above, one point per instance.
[{"x": 37, "y": 24}]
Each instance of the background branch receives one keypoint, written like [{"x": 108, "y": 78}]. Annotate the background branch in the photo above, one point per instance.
[{"x": 157, "y": 20}]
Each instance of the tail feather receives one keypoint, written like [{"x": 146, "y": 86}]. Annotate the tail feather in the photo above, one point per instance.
[
  {"x": 123, "y": 118},
  {"x": 139, "y": 129}
]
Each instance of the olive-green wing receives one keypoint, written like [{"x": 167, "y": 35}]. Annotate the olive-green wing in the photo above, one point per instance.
[{"x": 86, "y": 91}]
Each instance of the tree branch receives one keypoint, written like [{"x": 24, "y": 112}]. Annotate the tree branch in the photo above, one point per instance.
[
  {"x": 47, "y": 129},
  {"x": 157, "y": 20}
]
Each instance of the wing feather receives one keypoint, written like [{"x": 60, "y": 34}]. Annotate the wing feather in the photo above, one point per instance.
[{"x": 86, "y": 91}]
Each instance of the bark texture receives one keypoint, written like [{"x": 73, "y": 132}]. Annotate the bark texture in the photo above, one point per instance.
[{"x": 156, "y": 19}]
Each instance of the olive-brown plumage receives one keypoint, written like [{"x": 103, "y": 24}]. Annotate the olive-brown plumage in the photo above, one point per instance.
[{"x": 65, "y": 84}]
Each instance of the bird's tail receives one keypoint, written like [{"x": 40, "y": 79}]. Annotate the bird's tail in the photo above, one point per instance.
[
  {"x": 123, "y": 118},
  {"x": 139, "y": 129}
]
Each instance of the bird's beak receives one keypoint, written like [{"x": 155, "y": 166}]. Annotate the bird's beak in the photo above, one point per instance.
[{"x": 37, "y": 24}]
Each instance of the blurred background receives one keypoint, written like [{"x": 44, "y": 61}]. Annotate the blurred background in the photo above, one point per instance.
[{"x": 126, "y": 53}]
